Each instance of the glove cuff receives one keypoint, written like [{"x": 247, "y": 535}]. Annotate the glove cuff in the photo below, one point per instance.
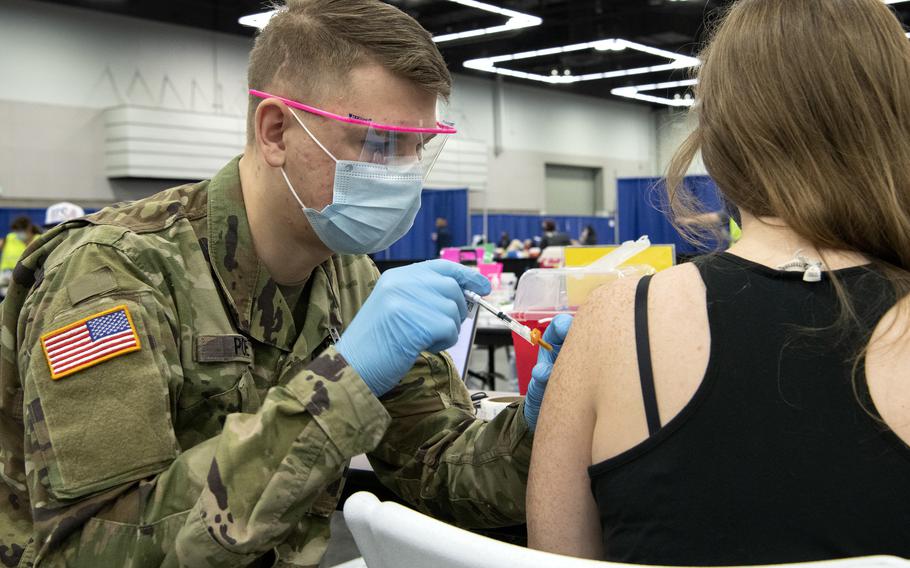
[{"x": 351, "y": 357}]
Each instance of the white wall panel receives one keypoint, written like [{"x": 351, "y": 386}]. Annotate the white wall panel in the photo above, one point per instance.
[
  {"x": 462, "y": 163},
  {"x": 673, "y": 127},
  {"x": 544, "y": 126},
  {"x": 158, "y": 143},
  {"x": 539, "y": 120},
  {"x": 67, "y": 56}
]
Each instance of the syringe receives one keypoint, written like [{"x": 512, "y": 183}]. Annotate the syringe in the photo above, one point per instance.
[{"x": 532, "y": 336}]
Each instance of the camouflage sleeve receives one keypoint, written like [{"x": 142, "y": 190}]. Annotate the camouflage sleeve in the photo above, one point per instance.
[
  {"x": 108, "y": 482},
  {"x": 443, "y": 460}
]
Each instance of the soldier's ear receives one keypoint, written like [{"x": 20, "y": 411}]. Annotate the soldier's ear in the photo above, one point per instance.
[{"x": 270, "y": 123}]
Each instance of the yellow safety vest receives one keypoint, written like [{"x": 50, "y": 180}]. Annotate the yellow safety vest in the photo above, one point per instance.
[
  {"x": 13, "y": 247},
  {"x": 735, "y": 232}
]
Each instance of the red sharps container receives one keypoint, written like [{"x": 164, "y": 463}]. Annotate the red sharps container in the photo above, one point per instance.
[{"x": 543, "y": 294}]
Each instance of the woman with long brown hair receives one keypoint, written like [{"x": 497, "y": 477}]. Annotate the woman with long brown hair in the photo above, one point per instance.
[{"x": 753, "y": 407}]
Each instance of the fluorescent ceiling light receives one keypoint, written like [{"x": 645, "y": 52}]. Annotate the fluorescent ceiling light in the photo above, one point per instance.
[
  {"x": 259, "y": 20},
  {"x": 516, "y": 21},
  {"x": 677, "y": 61},
  {"x": 637, "y": 93}
]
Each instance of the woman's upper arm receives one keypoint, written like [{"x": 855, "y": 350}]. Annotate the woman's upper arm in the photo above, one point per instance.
[{"x": 562, "y": 514}]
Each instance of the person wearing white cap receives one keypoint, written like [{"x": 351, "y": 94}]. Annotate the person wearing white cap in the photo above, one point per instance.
[{"x": 60, "y": 212}]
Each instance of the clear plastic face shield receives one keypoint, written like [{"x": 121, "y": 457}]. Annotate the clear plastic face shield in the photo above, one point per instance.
[{"x": 412, "y": 147}]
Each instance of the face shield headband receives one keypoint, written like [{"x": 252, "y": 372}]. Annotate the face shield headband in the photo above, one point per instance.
[{"x": 407, "y": 146}]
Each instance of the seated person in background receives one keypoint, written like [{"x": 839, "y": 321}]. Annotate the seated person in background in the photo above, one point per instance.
[
  {"x": 551, "y": 237},
  {"x": 739, "y": 413},
  {"x": 588, "y": 236},
  {"x": 516, "y": 249},
  {"x": 727, "y": 220}
]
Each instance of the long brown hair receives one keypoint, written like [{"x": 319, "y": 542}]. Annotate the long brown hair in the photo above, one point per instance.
[{"x": 803, "y": 113}]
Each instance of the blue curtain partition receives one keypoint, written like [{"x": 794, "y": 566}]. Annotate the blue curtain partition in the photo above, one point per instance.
[
  {"x": 417, "y": 244},
  {"x": 524, "y": 227},
  {"x": 642, "y": 207}
]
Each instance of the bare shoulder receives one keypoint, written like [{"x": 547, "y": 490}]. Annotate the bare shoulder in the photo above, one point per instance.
[
  {"x": 677, "y": 282},
  {"x": 610, "y": 310},
  {"x": 678, "y": 341},
  {"x": 605, "y": 323},
  {"x": 598, "y": 334},
  {"x": 675, "y": 294}
]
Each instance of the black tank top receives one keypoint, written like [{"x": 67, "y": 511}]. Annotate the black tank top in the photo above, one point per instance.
[{"x": 775, "y": 459}]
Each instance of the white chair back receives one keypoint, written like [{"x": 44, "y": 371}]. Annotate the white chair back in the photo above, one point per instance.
[{"x": 392, "y": 536}]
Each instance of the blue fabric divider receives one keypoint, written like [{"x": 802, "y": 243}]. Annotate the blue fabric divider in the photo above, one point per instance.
[
  {"x": 642, "y": 206},
  {"x": 523, "y": 227},
  {"x": 417, "y": 244},
  {"x": 36, "y": 214},
  {"x": 9, "y": 214}
]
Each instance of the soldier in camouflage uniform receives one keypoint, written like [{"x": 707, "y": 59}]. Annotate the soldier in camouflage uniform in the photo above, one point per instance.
[{"x": 217, "y": 432}]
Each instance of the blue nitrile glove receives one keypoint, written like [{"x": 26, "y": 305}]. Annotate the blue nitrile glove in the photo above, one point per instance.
[
  {"x": 555, "y": 335},
  {"x": 412, "y": 309}
]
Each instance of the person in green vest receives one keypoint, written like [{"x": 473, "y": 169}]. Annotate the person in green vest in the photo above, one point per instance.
[
  {"x": 731, "y": 231},
  {"x": 736, "y": 232},
  {"x": 22, "y": 232}
]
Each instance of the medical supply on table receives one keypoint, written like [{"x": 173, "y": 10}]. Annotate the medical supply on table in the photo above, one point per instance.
[
  {"x": 532, "y": 336},
  {"x": 462, "y": 255},
  {"x": 543, "y": 294},
  {"x": 503, "y": 289}
]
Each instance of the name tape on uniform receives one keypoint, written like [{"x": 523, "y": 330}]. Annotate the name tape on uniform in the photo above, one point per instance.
[
  {"x": 223, "y": 348},
  {"x": 89, "y": 341}
]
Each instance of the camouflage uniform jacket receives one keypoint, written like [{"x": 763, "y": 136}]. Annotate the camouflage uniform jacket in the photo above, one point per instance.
[{"x": 223, "y": 439}]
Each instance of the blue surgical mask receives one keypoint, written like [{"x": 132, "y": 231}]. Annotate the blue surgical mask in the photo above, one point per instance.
[{"x": 373, "y": 205}]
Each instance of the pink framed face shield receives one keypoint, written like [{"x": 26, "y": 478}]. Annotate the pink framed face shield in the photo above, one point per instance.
[{"x": 364, "y": 140}]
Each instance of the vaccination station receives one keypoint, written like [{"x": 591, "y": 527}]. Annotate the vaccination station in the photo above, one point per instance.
[{"x": 455, "y": 283}]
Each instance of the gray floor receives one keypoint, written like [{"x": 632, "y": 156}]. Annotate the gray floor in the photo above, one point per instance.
[
  {"x": 505, "y": 365},
  {"x": 342, "y": 547}
]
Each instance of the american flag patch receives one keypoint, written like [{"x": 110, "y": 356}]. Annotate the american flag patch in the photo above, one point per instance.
[{"x": 90, "y": 341}]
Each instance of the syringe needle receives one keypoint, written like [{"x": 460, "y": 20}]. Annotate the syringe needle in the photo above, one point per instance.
[{"x": 529, "y": 335}]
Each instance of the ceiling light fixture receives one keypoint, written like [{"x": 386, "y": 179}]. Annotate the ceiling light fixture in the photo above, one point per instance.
[
  {"x": 516, "y": 21},
  {"x": 678, "y": 101},
  {"x": 489, "y": 64},
  {"x": 259, "y": 20}
]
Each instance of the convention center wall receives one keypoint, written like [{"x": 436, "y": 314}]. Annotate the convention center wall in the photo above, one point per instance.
[{"x": 63, "y": 68}]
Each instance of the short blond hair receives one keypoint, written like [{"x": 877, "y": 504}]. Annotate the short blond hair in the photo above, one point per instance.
[{"x": 312, "y": 44}]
